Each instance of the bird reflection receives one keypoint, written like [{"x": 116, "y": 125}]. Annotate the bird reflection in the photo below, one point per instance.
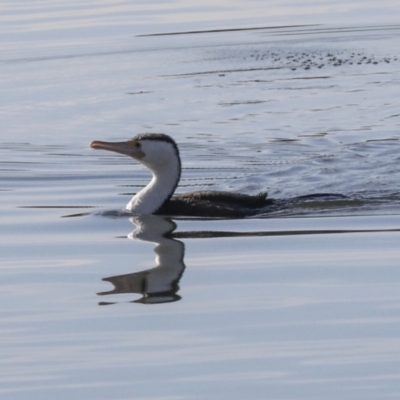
[{"x": 160, "y": 284}]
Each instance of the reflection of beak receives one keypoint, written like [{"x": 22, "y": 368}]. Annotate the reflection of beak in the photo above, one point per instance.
[{"x": 127, "y": 148}]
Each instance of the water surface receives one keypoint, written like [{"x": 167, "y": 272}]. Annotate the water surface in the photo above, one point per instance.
[{"x": 300, "y": 303}]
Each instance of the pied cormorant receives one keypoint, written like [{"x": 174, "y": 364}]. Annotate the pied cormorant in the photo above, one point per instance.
[{"x": 160, "y": 154}]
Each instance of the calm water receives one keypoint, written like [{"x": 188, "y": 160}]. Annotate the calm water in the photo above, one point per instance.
[{"x": 301, "y": 303}]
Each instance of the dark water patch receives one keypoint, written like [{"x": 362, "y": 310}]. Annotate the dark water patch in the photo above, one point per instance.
[
  {"x": 223, "y": 234},
  {"x": 309, "y": 77},
  {"x": 219, "y": 72},
  {"x": 226, "y": 30},
  {"x": 310, "y": 59},
  {"x": 140, "y": 92},
  {"x": 346, "y": 29},
  {"x": 393, "y": 116},
  {"x": 76, "y": 215},
  {"x": 248, "y": 102}
]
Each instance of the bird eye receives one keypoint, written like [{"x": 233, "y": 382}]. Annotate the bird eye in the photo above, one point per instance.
[{"x": 138, "y": 145}]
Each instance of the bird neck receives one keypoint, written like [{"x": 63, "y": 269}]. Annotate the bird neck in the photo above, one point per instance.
[{"x": 160, "y": 189}]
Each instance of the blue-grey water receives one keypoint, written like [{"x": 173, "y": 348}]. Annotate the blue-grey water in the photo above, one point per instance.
[{"x": 300, "y": 303}]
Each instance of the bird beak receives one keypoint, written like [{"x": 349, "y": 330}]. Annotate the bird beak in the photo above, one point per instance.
[{"x": 127, "y": 148}]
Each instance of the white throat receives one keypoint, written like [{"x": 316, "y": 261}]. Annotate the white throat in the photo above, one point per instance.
[{"x": 161, "y": 187}]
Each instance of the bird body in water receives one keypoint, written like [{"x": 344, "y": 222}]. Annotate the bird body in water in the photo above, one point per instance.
[{"x": 160, "y": 154}]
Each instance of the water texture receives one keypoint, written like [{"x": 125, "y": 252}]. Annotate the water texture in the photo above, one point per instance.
[{"x": 300, "y": 303}]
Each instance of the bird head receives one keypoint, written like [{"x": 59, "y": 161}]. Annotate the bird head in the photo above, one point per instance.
[{"x": 154, "y": 150}]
